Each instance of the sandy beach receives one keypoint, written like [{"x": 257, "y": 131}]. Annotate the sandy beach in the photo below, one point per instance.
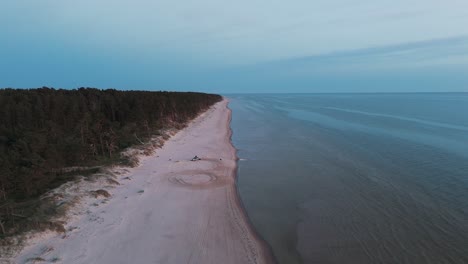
[{"x": 169, "y": 209}]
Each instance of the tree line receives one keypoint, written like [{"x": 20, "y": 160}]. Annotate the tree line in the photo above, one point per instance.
[{"x": 45, "y": 129}]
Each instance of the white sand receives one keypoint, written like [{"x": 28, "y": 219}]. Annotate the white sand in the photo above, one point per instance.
[{"x": 173, "y": 210}]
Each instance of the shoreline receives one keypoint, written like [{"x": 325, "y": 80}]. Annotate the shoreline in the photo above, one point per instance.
[
  {"x": 268, "y": 255},
  {"x": 168, "y": 209}
]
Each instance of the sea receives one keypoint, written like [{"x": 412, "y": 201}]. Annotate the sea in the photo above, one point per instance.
[{"x": 355, "y": 178}]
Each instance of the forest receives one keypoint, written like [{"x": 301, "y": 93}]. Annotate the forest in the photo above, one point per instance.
[{"x": 45, "y": 129}]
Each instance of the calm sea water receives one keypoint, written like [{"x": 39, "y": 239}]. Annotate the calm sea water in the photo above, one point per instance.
[{"x": 356, "y": 178}]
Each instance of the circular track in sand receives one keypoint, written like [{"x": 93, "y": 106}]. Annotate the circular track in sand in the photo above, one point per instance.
[{"x": 197, "y": 180}]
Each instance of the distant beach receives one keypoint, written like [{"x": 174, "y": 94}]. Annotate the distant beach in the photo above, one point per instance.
[{"x": 169, "y": 209}]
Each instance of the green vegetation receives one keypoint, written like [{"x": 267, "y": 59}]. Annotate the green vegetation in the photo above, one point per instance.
[{"x": 45, "y": 130}]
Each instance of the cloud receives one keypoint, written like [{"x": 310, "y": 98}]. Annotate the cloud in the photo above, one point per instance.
[
  {"x": 431, "y": 65},
  {"x": 428, "y": 53},
  {"x": 236, "y": 32}
]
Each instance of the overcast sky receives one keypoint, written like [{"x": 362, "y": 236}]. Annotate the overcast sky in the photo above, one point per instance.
[{"x": 236, "y": 46}]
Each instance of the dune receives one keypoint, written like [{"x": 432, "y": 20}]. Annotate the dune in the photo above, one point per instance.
[{"x": 169, "y": 209}]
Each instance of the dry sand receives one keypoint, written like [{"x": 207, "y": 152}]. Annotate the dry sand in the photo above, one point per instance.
[{"x": 168, "y": 210}]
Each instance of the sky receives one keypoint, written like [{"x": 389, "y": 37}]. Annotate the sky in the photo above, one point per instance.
[{"x": 237, "y": 46}]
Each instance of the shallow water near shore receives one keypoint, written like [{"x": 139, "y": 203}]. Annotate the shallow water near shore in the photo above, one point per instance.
[{"x": 355, "y": 178}]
